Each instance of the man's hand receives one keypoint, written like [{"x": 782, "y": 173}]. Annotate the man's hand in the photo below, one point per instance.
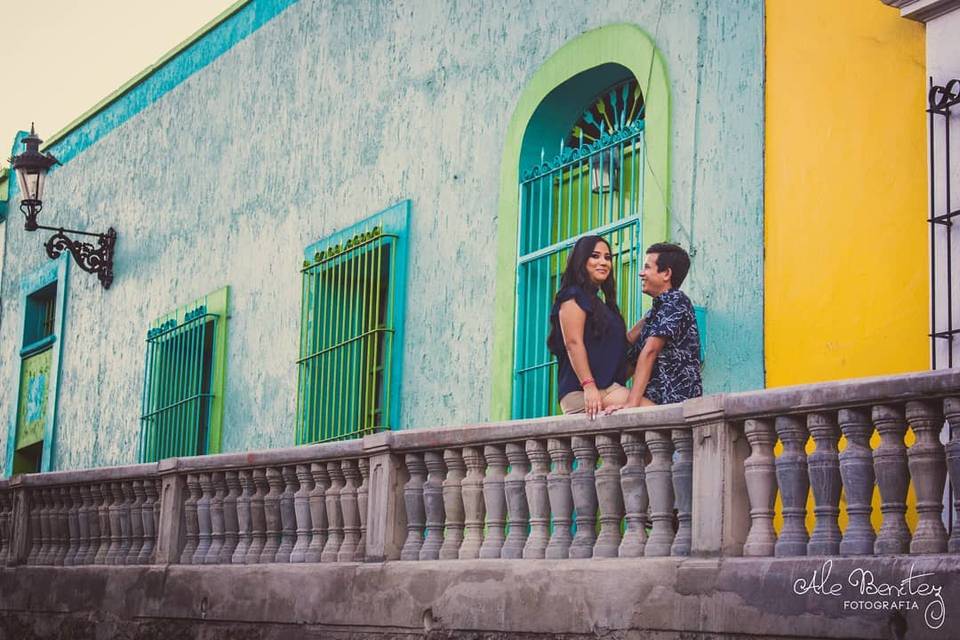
[{"x": 644, "y": 402}]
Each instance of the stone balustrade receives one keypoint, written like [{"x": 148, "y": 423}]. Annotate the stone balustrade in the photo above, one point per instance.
[
  {"x": 307, "y": 504},
  {"x": 928, "y": 404},
  {"x": 697, "y": 479},
  {"x": 69, "y": 518},
  {"x": 552, "y": 488}
]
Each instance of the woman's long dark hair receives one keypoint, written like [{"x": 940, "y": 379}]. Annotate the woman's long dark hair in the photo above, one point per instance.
[{"x": 575, "y": 273}]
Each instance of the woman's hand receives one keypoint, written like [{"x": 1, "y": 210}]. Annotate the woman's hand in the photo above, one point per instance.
[{"x": 592, "y": 401}]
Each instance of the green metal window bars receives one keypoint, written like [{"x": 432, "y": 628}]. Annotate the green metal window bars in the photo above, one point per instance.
[
  {"x": 346, "y": 342},
  {"x": 182, "y": 407},
  {"x": 593, "y": 186}
]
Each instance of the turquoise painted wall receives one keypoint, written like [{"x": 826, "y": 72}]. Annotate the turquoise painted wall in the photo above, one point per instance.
[{"x": 324, "y": 114}]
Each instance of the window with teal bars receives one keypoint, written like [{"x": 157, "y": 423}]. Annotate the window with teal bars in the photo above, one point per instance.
[
  {"x": 182, "y": 405},
  {"x": 594, "y": 185},
  {"x": 351, "y": 330}
]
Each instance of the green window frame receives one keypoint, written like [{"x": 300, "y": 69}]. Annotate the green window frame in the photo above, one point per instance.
[
  {"x": 351, "y": 330},
  {"x": 30, "y": 438},
  {"x": 184, "y": 380}
]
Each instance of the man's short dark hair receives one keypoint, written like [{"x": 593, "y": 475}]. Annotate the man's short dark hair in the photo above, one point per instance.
[{"x": 671, "y": 256}]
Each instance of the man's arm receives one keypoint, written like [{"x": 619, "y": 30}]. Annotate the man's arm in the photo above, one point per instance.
[
  {"x": 634, "y": 334},
  {"x": 641, "y": 374}
]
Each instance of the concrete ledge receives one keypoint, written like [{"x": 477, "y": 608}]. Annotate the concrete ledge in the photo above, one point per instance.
[{"x": 789, "y": 598}]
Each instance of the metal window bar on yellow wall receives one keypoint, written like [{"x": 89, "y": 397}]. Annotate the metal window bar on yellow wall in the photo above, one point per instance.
[
  {"x": 347, "y": 333},
  {"x": 177, "y": 390},
  {"x": 595, "y": 189}
]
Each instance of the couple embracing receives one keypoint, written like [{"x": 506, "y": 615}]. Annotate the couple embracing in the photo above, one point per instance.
[{"x": 596, "y": 353}]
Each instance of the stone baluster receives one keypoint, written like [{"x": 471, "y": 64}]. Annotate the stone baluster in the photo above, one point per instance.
[
  {"x": 91, "y": 497},
  {"x": 538, "y": 500},
  {"x": 231, "y": 528},
  {"x": 83, "y": 526},
  {"x": 609, "y": 496},
  {"x": 288, "y": 514},
  {"x": 433, "y": 505},
  {"x": 413, "y": 504},
  {"x": 363, "y": 503},
  {"x": 351, "y": 511},
  {"x": 271, "y": 513},
  {"x": 217, "y": 527},
  {"x": 928, "y": 470},
  {"x": 951, "y": 409},
  {"x": 761, "y": 478},
  {"x": 890, "y": 467},
  {"x": 633, "y": 484},
  {"x": 824, "y": 471},
  {"x": 258, "y": 517},
  {"x": 561, "y": 498},
  {"x": 473, "y": 508},
  {"x": 36, "y": 527},
  {"x": 583, "y": 484},
  {"x": 46, "y": 549},
  {"x": 453, "y": 509},
  {"x": 794, "y": 483},
  {"x": 190, "y": 520},
  {"x": 318, "y": 512},
  {"x": 660, "y": 487},
  {"x": 204, "y": 522},
  {"x": 114, "y": 553},
  {"x": 334, "y": 513},
  {"x": 155, "y": 492},
  {"x": 301, "y": 508},
  {"x": 244, "y": 521},
  {"x": 136, "y": 521},
  {"x": 151, "y": 502},
  {"x": 683, "y": 490},
  {"x": 856, "y": 470},
  {"x": 494, "y": 500},
  {"x": 58, "y": 527},
  {"x": 66, "y": 506},
  {"x": 518, "y": 511},
  {"x": 126, "y": 526},
  {"x": 103, "y": 516},
  {"x": 73, "y": 525},
  {"x": 4, "y": 535}
]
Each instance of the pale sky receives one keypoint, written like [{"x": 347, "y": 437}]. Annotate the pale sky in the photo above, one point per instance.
[{"x": 61, "y": 57}]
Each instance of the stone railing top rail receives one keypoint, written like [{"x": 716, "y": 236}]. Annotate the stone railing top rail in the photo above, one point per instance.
[
  {"x": 826, "y": 396},
  {"x": 663, "y": 417},
  {"x": 265, "y": 457},
  {"x": 84, "y": 476}
]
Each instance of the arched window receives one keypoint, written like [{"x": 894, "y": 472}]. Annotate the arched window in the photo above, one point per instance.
[
  {"x": 586, "y": 152},
  {"x": 593, "y": 185}
]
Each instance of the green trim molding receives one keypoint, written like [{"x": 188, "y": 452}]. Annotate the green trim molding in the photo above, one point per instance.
[
  {"x": 54, "y": 271},
  {"x": 620, "y": 44}
]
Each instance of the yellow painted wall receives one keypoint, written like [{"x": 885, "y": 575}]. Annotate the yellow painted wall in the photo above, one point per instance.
[{"x": 847, "y": 263}]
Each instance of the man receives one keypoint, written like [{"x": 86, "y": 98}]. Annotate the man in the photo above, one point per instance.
[{"x": 668, "y": 366}]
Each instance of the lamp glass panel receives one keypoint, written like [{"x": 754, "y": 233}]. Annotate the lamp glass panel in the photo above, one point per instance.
[{"x": 31, "y": 183}]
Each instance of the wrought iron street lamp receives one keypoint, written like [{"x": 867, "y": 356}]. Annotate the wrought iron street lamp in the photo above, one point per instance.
[{"x": 31, "y": 167}]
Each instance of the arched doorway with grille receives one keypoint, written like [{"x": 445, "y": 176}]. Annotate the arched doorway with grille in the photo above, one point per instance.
[{"x": 586, "y": 152}]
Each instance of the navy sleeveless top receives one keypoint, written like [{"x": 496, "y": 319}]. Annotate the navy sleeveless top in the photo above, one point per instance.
[{"x": 606, "y": 353}]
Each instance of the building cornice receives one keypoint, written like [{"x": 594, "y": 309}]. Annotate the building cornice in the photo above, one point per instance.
[{"x": 923, "y": 10}]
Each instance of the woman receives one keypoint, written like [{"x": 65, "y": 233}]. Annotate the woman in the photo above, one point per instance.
[{"x": 588, "y": 334}]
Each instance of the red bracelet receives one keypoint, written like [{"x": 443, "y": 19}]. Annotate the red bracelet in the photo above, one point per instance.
[{"x": 588, "y": 381}]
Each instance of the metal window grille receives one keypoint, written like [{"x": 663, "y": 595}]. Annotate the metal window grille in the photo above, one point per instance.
[
  {"x": 944, "y": 328},
  {"x": 346, "y": 342},
  {"x": 595, "y": 188},
  {"x": 178, "y": 389}
]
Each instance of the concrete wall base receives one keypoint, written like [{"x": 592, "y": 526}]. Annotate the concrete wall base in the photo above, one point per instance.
[{"x": 619, "y": 598}]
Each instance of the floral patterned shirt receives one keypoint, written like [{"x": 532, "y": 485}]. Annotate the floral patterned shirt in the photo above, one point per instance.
[{"x": 676, "y": 372}]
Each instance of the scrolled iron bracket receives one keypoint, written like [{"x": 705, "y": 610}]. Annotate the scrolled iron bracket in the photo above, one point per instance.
[{"x": 98, "y": 260}]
